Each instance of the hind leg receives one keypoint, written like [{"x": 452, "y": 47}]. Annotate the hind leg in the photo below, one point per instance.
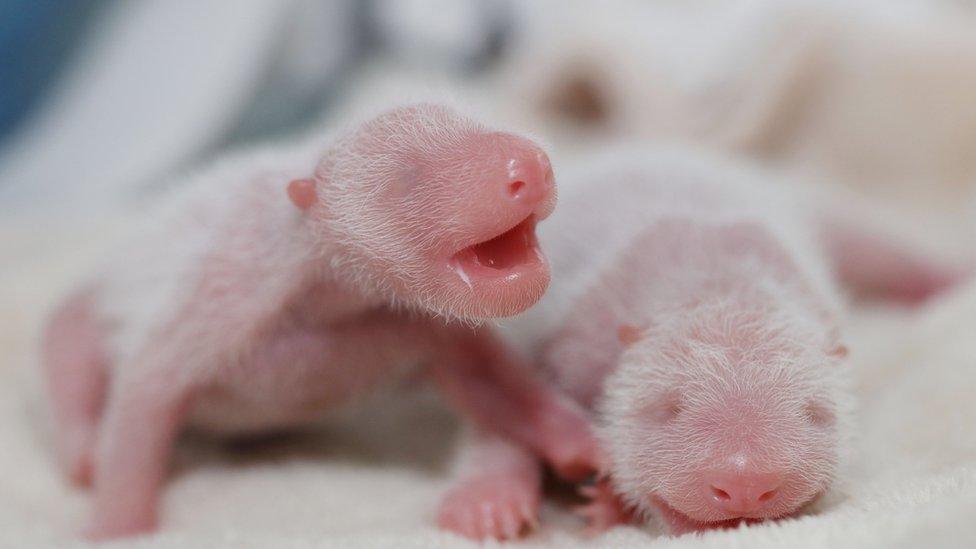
[
  {"x": 143, "y": 415},
  {"x": 877, "y": 265},
  {"x": 874, "y": 257},
  {"x": 75, "y": 366},
  {"x": 294, "y": 373}
]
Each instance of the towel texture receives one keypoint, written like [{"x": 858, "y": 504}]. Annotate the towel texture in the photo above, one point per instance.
[{"x": 373, "y": 479}]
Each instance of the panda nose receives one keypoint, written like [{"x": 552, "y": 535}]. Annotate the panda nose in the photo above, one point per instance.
[
  {"x": 530, "y": 179},
  {"x": 741, "y": 492}
]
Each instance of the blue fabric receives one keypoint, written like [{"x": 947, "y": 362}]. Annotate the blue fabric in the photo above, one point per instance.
[{"x": 36, "y": 39}]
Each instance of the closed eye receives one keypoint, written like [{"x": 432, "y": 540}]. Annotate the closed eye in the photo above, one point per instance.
[{"x": 664, "y": 408}]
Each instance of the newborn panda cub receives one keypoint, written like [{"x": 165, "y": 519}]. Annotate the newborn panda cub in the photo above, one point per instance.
[
  {"x": 693, "y": 312},
  {"x": 280, "y": 285}
]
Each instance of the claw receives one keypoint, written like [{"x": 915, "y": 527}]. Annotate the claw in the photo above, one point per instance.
[
  {"x": 490, "y": 508},
  {"x": 510, "y": 525},
  {"x": 604, "y": 510},
  {"x": 588, "y": 491},
  {"x": 529, "y": 515}
]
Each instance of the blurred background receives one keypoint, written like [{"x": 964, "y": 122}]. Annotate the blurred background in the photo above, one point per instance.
[
  {"x": 103, "y": 98},
  {"x": 105, "y": 103}
]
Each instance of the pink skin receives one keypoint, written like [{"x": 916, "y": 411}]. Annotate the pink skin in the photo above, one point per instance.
[
  {"x": 288, "y": 315},
  {"x": 472, "y": 222},
  {"x": 876, "y": 266},
  {"x": 742, "y": 467},
  {"x": 498, "y": 493},
  {"x": 604, "y": 509},
  {"x": 707, "y": 342},
  {"x": 761, "y": 452},
  {"x": 74, "y": 338},
  {"x": 500, "y": 398},
  {"x": 716, "y": 383},
  {"x": 499, "y": 497},
  {"x": 708, "y": 422},
  {"x": 709, "y": 348}
]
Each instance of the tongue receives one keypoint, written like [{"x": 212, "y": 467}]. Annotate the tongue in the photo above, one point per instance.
[{"x": 508, "y": 249}]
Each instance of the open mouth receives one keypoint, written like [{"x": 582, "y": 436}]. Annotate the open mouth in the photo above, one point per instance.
[
  {"x": 499, "y": 256},
  {"x": 680, "y": 523}
]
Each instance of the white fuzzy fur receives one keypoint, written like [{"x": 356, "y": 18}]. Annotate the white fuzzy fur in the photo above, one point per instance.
[
  {"x": 244, "y": 194},
  {"x": 152, "y": 275},
  {"x": 220, "y": 261},
  {"x": 606, "y": 205},
  {"x": 912, "y": 484},
  {"x": 364, "y": 234}
]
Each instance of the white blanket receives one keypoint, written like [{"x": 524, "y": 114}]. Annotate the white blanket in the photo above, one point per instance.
[{"x": 374, "y": 480}]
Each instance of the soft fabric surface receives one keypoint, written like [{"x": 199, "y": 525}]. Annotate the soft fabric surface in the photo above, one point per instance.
[{"x": 374, "y": 479}]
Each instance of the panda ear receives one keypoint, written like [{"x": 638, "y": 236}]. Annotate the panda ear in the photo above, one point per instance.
[
  {"x": 838, "y": 351},
  {"x": 301, "y": 192},
  {"x": 628, "y": 334},
  {"x": 834, "y": 347}
]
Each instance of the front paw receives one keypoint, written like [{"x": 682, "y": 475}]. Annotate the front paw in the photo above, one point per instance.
[
  {"x": 604, "y": 510},
  {"x": 75, "y": 456},
  {"x": 104, "y": 528},
  {"x": 575, "y": 457},
  {"x": 570, "y": 448},
  {"x": 490, "y": 507}
]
